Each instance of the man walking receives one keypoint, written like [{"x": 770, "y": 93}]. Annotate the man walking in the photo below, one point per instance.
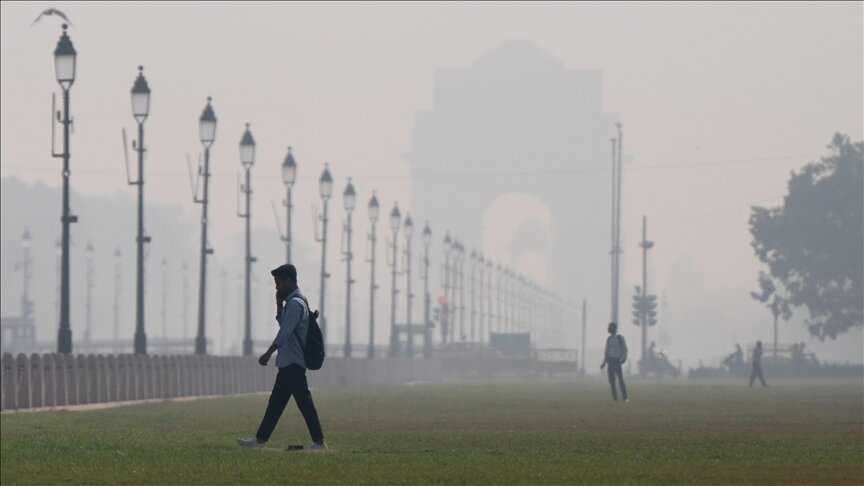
[
  {"x": 615, "y": 356},
  {"x": 757, "y": 365},
  {"x": 292, "y": 313}
]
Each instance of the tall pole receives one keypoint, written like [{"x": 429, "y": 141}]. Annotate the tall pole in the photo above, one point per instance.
[
  {"x": 613, "y": 313},
  {"x": 247, "y": 160},
  {"x": 247, "y": 313},
  {"x": 64, "y": 336},
  {"x": 348, "y": 283},
  {"x": 395, "y": 219},
  {"x": 372, "y": 288},
  {"x": 643, "y": 318},
  {"x": 289, "y": 177},
  {"x": 618, "y": 210},
  {"x": 289, "y": 206},
  {"x": 427, "y": 322},
  {"x": 644, "y": 323},
  {"x": 201, "y": 337},
  {"x": 323, "y": 293},
  {"x": 409, "y": 294},
  {"x": 140, "y": 335},
  {"x": 445, "y": 307}
]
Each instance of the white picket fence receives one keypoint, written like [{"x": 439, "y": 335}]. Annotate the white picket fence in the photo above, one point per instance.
[{"x": 55, "y": 380}]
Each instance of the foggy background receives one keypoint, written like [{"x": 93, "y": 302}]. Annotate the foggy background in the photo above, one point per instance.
[{"x": 719, "y": 102}]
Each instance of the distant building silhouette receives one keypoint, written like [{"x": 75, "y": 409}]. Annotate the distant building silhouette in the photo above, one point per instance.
[{"x": 518, "y": 121}]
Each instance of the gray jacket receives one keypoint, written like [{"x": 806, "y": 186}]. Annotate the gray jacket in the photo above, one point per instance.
[{"x": 293, "y": 326}]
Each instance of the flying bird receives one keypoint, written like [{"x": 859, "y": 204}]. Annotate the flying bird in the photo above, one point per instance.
[{"x": 52, "y": 11}]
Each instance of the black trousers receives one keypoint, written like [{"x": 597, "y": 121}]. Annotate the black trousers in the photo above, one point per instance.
[
  {"x": 614, "y": 371},
  {"x": 757, "y": 372},
  {"x": 291, "y": 380}
]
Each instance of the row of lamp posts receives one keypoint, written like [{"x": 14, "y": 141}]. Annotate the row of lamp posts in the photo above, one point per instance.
[{"x": 65, "y": 58}]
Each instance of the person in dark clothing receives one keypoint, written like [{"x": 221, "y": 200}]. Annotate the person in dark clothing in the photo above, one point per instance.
[
  {"x": 757, "y": 365},
  {"x": 615, "y": 356},
  {"x": 292, "y": 313}
]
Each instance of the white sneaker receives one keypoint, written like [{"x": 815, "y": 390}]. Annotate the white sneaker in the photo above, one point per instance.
[
  {"x": 250, "y": 442},
  {"x": 318, "y": 446}
]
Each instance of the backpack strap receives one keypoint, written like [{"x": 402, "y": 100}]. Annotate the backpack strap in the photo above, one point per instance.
[{"x": 305, "y": 305}]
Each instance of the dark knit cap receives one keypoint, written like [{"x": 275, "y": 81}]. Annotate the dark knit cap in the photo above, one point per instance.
[{"x": 285, "y": 271}]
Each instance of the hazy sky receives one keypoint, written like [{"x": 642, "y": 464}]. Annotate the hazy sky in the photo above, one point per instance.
[{"x": 725, "y": 98}]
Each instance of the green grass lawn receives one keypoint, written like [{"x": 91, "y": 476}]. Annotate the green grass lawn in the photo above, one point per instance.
[{"x": 504, "y": 433}]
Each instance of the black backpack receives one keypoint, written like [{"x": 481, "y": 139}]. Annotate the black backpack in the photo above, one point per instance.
[{"x": 313, "y": 352}]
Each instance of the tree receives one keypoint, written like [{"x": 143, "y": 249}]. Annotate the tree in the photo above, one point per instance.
[{"x": 813, "y": 245}]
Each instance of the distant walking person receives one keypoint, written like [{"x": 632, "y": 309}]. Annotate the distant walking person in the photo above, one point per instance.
[
  {"x": 292, "y": 313},
  {"x": 757, "y": 365},
  {"x": 615, "y": 356}
]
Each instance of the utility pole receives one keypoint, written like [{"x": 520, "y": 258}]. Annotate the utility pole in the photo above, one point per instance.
[
  {"x": 374, "y": 209},
  {"x": 645, "y": 245},
  {"x": 207, "y": 135},
  {"x": 617, "y": 170}
]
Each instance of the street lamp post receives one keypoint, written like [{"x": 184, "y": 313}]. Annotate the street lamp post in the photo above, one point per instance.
[
  {"x": 409, "y": 295},
  {"x": 140, "y": 110},
  {"x": 207, "y": 134},
  {"x": 427, "y": 323},
  {"x": 325, "y": 190},
  {"x": 460, "y": 282},
  {"x": 445, "y": 307},
  {"x": 64, "y": 67},
  {"x": 374, "y": 209},
  {"x": 247, "y": 158},
  {"x": 349, "y": 201},
  {"x": 289, "y": 176},
  {"x": 395, "y": 222}
]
